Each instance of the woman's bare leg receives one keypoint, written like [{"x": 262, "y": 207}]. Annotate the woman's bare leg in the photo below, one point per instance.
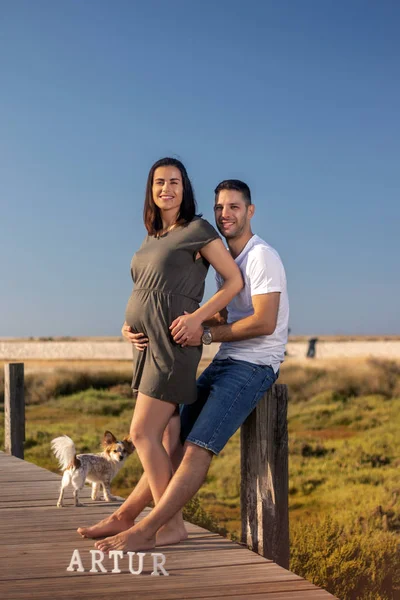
[
  {"x": 149, "y": 421},
  {"x": 124, "y": 516}
]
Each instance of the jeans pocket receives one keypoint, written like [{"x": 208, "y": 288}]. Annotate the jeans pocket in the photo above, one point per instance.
[
  {"x": 272, "y": 375},
  {"x": 267, "y": 382}
]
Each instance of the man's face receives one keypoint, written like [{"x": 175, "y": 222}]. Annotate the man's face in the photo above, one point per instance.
[{"x": 232, "y": 215}]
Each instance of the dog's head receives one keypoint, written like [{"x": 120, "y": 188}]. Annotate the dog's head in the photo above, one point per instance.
[{"x": 115, "y": 450}]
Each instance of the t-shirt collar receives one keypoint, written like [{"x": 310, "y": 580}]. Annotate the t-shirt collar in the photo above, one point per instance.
[{"x": 246, "y": 248}]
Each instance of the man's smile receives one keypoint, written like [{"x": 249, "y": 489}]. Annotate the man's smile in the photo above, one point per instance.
[{"x": 227, "y": 224}]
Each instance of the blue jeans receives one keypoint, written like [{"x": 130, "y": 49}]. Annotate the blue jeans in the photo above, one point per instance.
[{"x": 227, "y": 392}]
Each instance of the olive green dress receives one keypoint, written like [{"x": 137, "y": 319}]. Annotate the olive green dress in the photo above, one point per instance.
[{"x": 168, "y": 281}]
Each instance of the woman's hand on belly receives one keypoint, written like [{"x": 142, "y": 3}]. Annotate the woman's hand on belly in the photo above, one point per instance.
[
  {"x": 139, "y": 340},
  {"x": 184, "y": 328}
]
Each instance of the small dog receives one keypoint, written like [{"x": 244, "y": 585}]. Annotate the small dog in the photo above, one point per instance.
[{"x": 95, "y": 468}]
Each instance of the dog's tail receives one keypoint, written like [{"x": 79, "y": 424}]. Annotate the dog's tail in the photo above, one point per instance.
[{"x": 64, "y": 450}]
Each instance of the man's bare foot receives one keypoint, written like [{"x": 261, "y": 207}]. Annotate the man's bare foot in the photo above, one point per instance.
[
  {"x": 131, "y": 540},
  {"x": 183, "y": 533},
  {"x": 115, "y": 523},
  {"x": 171, "y": 534}
]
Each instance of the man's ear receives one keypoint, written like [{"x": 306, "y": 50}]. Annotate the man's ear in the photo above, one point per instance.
[{"x": 251, "y": 209}]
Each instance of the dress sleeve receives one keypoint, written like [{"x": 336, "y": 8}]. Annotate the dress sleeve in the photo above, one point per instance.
[{"x": 201, "y": 234}]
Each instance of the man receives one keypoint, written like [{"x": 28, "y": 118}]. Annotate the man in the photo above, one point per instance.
[{"x": 253, "y": 334}]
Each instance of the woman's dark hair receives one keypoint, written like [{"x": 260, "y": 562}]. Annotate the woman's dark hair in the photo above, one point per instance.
[{"x": 151, "y": 212}]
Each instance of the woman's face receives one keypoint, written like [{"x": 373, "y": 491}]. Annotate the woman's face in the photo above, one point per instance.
[{"x": 167, "y": 188}]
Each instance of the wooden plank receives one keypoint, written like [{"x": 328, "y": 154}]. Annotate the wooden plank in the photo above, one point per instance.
[
  {"x": 265, "y": 476},
  {"x": 70, "y": 536},
  {"x": 46, "y": 502},
  {"x": 199, "y": 577},
  {"x": 30, "y": 562},
  {"x": 157, "y": 589},
  {"x": 14, "y": 409},
  {"x": 292, "y": 595},
  {"x": 14, "y": 477}
]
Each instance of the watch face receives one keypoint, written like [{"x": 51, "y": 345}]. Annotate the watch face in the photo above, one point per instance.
[{"x": 206, "y": 338}]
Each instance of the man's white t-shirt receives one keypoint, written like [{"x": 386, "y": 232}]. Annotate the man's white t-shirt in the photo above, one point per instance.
[{"x": 263, "y": 272}]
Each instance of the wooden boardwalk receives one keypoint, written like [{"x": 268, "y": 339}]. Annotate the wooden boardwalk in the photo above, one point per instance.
[{"x": 37, "y": 541}]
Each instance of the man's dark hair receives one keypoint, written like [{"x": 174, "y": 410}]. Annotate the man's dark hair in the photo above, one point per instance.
[
  {"x": 234, "y": 184},
  {"x": 151, "y": 213}
]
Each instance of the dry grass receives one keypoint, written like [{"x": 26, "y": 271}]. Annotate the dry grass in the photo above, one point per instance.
[
  {"x": 305, "y": 378},
  {"x": 51, "y": 365},
  {"x": 344, "y": 378}
]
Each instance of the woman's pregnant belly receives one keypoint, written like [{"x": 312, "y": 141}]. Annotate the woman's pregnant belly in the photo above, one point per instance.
[
  {"x": 136, "y": 312},
  {"x": 152, "y": 312}
]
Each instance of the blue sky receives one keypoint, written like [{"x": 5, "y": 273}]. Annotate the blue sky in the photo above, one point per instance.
[{"x": 298, "y": 99}]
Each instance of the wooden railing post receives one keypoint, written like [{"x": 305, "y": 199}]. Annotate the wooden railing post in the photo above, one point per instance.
[
  {"x": 264, "y": 478},
  {"x": 14, "y": 409}
]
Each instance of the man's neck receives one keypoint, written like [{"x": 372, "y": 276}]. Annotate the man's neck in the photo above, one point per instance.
[{"x": 236, "y": 245}]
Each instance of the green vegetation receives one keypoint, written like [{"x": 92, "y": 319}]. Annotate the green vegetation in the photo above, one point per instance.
[{"x": 344, "y": 486}]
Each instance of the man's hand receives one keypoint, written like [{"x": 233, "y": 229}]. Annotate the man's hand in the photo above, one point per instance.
[
  {"x": 195, "y": 340},
  {"x": 139, "y": 340},
  {"x": 184, "y": 327}
]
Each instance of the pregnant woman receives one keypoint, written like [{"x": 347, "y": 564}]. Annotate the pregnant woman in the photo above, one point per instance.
[{"x": 169, "y": 272}]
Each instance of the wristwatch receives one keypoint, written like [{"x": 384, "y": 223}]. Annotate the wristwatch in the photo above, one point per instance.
[{"x": 207, "y": 337}]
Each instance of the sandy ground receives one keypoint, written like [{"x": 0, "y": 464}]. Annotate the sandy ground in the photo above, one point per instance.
[{"x": 121, "y": 351}]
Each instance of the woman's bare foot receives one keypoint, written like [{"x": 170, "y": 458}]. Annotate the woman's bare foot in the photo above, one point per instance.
[
  {"x": 135, "y": 538},
  {"x": 132, "y": 540},
  {"x": 115, "y": 523}
]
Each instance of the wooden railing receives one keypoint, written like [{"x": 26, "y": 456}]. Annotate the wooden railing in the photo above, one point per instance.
[
  {"x": 264, "y": 477},
  {"x": 14, "y": 409},
  {"x": 264, "y": 464}
]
